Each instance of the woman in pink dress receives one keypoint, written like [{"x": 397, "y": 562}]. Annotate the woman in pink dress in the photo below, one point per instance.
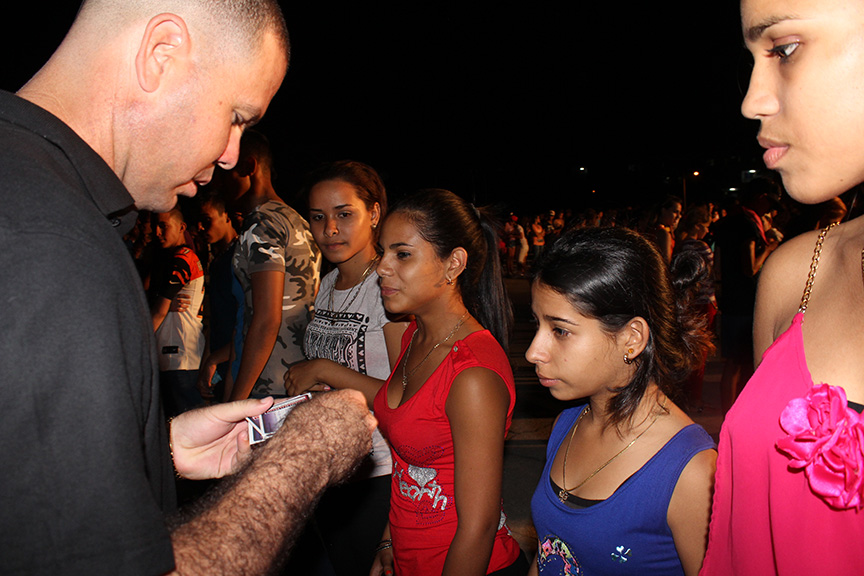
[{"x": 790, "y": 472}]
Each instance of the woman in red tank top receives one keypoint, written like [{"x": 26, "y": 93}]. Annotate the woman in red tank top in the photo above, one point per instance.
[{"x": 447, "y": 406}]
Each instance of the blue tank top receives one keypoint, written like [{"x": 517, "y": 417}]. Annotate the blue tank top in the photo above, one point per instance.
[{"x": 625, "y": 534}]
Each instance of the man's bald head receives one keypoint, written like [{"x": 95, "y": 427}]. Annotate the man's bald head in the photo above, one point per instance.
[
  {"x": 163, "y": 89},
  {"x": 234, "y": 27}
]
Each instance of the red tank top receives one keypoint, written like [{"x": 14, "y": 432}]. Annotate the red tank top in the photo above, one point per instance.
[{"x": 423, "y": 516}]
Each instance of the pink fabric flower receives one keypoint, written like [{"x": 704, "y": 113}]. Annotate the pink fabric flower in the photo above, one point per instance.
[{"x": 826, "y": 440}]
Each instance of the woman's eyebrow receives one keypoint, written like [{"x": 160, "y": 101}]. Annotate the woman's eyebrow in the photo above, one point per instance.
[{"x": 755, "y": 32}]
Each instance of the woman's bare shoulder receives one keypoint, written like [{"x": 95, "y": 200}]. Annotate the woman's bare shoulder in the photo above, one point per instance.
[
  {"x": 793, "y": 255},
  {"x": 781, "y": 287}
]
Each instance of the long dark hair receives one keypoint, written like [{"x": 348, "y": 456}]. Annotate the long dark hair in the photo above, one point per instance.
[
  {"x": 615, "y": 275},
  {"x": 448, "y": 222}
]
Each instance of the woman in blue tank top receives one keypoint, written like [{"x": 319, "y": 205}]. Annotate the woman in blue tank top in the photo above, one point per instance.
[{"x": 627, "y": 484}]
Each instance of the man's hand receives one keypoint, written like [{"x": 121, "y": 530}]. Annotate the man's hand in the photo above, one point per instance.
[
  {"x": 213, "y": 441},
  {"x": 205, "y": 379},
  {"x": 180, "y": 303},
  {"x": 263, "y": 509}
]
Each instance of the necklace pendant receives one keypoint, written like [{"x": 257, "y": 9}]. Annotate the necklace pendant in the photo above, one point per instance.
[{"x": 563, "y": 495}]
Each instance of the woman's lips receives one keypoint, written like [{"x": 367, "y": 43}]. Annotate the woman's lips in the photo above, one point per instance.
[
  {"x": 773, "y": 155},
  {"x": 774, "y": 152},
  {"x": 333, "y": 246},
  {"x": 547, "y": 382}
]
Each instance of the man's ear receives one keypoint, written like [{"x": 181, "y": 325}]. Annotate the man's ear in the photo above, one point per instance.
[
  {"x": 245, "y": 167},
  {"x": 165, "y": 43}
]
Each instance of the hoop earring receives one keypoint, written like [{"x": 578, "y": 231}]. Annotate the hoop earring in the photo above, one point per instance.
[{"x": 627, "y": 359}]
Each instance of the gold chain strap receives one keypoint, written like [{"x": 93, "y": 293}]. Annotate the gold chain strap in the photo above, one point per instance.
[{"x": 814, "y": 264}]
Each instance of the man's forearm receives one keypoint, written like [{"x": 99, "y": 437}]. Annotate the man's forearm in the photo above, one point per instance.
[
  {"x": 257, "y": 349},
  {"x": 159, "y": 311},
  {"x": 258, "y": 514}
]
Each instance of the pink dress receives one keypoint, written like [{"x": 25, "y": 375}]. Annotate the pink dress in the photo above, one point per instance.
[{"x": 788, "y": 490}]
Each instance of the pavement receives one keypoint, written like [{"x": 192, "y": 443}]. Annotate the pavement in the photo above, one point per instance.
[{"x": 525, "y": 447}]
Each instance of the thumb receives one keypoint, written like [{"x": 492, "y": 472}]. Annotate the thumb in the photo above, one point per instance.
[{"x": 241, "y": 409}]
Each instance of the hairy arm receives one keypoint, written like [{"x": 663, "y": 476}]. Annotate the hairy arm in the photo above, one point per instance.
[
  {"x": 267, "y": 291},
  {"x": 477, "y": 409},
  {"x": 690, "y": 510},
  {"x": 258, "y": 513}
]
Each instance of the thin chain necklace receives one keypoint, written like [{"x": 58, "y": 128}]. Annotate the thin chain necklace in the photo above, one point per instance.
[
  {"x": 349, "y": 299},
  {"x": 405, "y": 374},
  {"x": 565, "y": 493}
]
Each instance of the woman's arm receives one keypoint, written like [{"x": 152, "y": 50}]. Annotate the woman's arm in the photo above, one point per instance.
[
  {"x": 664, "y": 244},
  {"x": 690, "y": 510},
  {"x": 532, "y": 570},
  {"x": 315, "y": 374},
  {"x": 477, "y": 408},
  {"x": 383, "y": 563}
]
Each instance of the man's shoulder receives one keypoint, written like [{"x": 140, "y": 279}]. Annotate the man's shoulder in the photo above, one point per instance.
[
  {"x": 45, "y": 168},
  {"x": 278, "y": 213},
  {"x": 186, "y": 254},
  {"x": 275, "y": 221}
]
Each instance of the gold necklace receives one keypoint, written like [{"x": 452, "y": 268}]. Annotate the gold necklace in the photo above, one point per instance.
[
  {"x": 406, "y": 375},
  {"x": 814, "y": 264},
  {"x": 564, "y": 493},
  {"x": 347, "y": 304}
]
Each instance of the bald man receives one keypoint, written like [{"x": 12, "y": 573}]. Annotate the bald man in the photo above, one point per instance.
[{"x": 137, "y": 106}]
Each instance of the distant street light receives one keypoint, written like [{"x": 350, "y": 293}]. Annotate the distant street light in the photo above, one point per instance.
[{"x": 684, "y": 187}]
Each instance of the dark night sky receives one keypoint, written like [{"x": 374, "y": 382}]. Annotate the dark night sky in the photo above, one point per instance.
[{"x": 496, "y": 102}]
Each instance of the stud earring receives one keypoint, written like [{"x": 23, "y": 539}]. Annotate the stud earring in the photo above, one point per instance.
[
  {"x": 449, "y": 281},
  {"x": 627, "y": 359}
]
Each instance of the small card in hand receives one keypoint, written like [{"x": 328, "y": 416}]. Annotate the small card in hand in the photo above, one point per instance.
[{"x": 264, "y": 426}]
